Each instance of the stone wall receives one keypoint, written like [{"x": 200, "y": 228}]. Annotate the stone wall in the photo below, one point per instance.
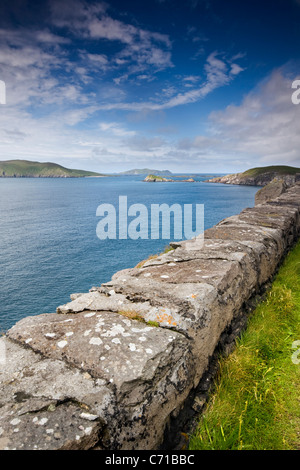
[{"x": 112, "y": 368}]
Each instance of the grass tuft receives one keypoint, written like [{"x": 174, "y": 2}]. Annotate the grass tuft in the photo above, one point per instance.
[
  {"x": 133, "y": 315},
  {"x": 255, "y": 401}
]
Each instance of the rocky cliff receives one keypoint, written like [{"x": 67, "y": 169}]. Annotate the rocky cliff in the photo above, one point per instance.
[
  {"x": 115, "y": 367},
  {"x": 261, "y": 176}
]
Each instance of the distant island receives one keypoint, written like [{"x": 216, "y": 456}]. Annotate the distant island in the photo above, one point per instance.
[
  {"x": 260, "y": 176},
  {"x": 161, "y": 179},
  {"x": 29, "y": 169},
  {"x": 146, "y": 171}
]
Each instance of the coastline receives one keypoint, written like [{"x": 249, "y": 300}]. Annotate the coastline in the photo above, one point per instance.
[{"x": 145, "y": 371}]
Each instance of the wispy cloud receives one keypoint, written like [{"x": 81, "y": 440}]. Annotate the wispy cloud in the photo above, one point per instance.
[
  {"x": 140, "y": 50},
  {"x": 81, "y": 85},
  {"x": 218, "y": 73},
  {"x": 116, "y": 129},
  {"x": 263, "y": 129}
]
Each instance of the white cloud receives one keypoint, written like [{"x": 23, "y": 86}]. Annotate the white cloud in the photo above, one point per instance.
[
  {"x": 146, "y": 144},
  {"x": 49, "y": 93},
  {"x": 113, "y": 30},
  {"x": 99, "y": 58},
  {"x": 115, "y": 129},
  {"x": 140, "y": 50},
  {"x": 236, "y": 69},
  {"x": 218, "y": 74},
  {"x": 264, "y": 129},
  {"x": 192, "y": 78},
  {"x": 50, "y": 38}
]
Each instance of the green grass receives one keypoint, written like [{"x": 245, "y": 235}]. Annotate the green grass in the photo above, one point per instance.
[
  {"x": 167, "y": 249},
  {"x": 134, "y": 315},
  {"x": 255, "y": 401},
  {"x": 281, "y": 169},
  {"x": 24, "y": 168}
]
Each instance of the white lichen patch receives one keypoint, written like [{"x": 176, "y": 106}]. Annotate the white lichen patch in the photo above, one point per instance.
[
  {"x": 15, "y": 422},
  {"x": 149, "y": 351},
  {"x": 88, "y": 416},
  {"x": 28, "y": 340},
  {"x": 96, "y": 341},
  {"x": 132, "y": 347},
  {"x": 43, "y": 421},
  {"x": 141, "y": 330},
  {"x": 164, "y": 276},
  {"x": 62, "y": 344},
  {"x": 88, "y": 315},
  {"x": 50, "y": 335},
  {"x": 116, "y": 341},
  {"x": 40, "y": 422},
  {"x": 87, "y": 332},
  {"x": 114, "y": 331},
  {"x": 100, "y": 322},
  {"x": 70, "y": 333}
]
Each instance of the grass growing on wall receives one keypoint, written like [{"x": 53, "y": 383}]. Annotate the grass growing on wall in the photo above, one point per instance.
[{"x": 256, "y": 401}]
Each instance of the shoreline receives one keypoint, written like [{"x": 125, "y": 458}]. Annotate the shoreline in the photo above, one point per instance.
[
  {"x": 51, "y": 177},
  {"x": 134, "y": 349}
]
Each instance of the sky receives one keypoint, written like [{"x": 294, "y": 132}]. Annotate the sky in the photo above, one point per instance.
[{"x": 190, "y": 86}]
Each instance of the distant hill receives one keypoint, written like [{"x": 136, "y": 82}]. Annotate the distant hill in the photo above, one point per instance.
[
  {"x": 29, "y": 169},
  {"x": 145, "y": 171},
  {"x": 261, "y": 176}
]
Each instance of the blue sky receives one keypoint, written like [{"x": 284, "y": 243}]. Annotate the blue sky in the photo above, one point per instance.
[{"x": 189, "y": 86}]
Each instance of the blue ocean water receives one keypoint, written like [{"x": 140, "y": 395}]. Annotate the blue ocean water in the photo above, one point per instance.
[{"x": 48, "y": 243}]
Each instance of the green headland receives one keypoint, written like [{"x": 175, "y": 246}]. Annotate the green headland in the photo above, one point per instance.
[{"x": 29, "y": 169}]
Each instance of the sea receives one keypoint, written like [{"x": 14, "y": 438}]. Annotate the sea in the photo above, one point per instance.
[{"x": 49, "y": 246}]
